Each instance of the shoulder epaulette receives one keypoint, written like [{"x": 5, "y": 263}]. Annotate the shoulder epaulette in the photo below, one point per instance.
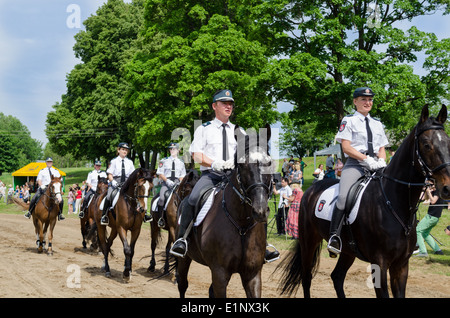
[
  {"x": 206, "y": 124},
  {"x": 377, "y": 119}
]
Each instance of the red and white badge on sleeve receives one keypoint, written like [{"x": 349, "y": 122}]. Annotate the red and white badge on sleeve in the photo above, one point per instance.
[{"x": 342, "y": 126}]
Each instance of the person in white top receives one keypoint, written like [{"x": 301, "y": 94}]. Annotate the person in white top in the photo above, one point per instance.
[
  {"x": 91, "y": 183},
  {"x": 213, "y": 148},
  {"x": 283, "y": 205},
  {"x": 171, "y": 171},
  {"x": 43, "y": 180},
  {"x": 118, "y": 172},
  {"x": 363, "y": 140}
]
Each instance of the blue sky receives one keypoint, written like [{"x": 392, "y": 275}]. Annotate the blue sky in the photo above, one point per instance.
[{"x": 36, "y": 54}]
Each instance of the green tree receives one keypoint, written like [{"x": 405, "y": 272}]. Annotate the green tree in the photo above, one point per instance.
[
  {"x": 91, "y": 118},
  {"x": 345, "y": 44},
  {"x": 188, "y": 50},
  {"x": 17, "y": 148}
]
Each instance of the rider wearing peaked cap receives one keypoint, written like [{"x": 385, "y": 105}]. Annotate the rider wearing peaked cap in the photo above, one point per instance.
[
  {"x": 213, "y": 147},
  {"x": 363, "y": 140},
  {"x": 118, "y": 172},
  {"x": 43, "y": 180}
]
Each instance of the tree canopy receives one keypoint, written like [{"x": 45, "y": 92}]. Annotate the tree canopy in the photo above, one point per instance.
[
  {"x": 17, "y": 148},
  {"x": 149, "y": 67}
]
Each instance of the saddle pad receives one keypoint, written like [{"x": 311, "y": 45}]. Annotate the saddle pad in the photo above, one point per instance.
[
  {"x": 327, "y": 200},
  {"x": 205, "y": 208},
  {"x": 155, "y": 203},
  {"x": 116, "y": 198}
]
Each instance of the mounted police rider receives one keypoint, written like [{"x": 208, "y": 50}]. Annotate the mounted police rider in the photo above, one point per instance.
[
  {"x": 91, "y": 183},
  {"x": 213, "y": 147},
  {"x": 43, "y": 180},
  {"x": 171, "y": 171},
  {"x": 363, "y": 140},
  {"x": 118, "y": 172}
]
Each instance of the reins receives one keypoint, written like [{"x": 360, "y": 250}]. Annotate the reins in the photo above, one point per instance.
[{"x": 425, "y": 170}]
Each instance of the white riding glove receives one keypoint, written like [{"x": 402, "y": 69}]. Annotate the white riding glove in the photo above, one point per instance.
[
  {"x": 370, "y": 163},
  {"x": 229, "y": 164},
  {"x": 381, "y": 163},
  {"x": 114, "y": 183},
  {"x": 220, "y": 165}
]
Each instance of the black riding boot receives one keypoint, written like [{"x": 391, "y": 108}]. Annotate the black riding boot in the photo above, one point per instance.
[
  {"x": 33, "y": 202},
  {"x": 61, "y": 216},
  {"x": 105, "y": 220},
  {"x": 180, "y": 247},
  {"x": 161, "y": 222},
  {"x": 335, "y": 242}
]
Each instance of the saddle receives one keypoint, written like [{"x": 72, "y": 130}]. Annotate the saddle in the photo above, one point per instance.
[{"x": 327, "y": 200}]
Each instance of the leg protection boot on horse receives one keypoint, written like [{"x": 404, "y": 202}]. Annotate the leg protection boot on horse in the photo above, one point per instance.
[
  {"x": 61, "y": 209},
  {"x": 105, "y": 220},
  {"x": 180, "y": 247},
  {"x": 335, "y": 243}
]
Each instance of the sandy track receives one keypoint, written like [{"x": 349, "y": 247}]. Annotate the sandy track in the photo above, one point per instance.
[{"x": 29, "y": 274}]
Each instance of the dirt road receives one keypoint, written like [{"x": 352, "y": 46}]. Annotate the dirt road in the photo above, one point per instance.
[{"x": 72, "y": 272}]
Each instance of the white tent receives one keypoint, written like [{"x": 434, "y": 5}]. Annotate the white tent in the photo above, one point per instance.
[{"x": 332, "y": 150}]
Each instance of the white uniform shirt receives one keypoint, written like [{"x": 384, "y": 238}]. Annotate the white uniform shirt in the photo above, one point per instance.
[
  {"x": 353, "y": 128},
  {"x": 44, "y": 175},
  {"x": 116, "y": 167},
  {"x": 165, "y": 167},
  {"x": 208, "y": 140},
  {"x": 284, "y": 191},
  {"x": 92, "y": 179}
]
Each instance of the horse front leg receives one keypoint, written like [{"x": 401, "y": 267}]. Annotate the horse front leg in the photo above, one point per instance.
[
  {"x": 252, "y": 285},
  {"x": 399, "y": 276},
  {"x": 50, "y": 237},
  {"x": 220, "y": 279},
  {"x": 154, "y": 242},
  {"x": 39, "y": 235},
  {"x": 182, "y": 273},
  {"x": 127, "y": 252},
  {"x": 379, "y": 278}
]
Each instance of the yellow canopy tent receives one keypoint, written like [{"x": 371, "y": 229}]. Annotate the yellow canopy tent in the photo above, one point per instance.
[{"x": 29, "y": 174}]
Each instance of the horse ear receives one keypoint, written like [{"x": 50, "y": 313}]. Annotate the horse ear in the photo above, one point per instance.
[
  {"x": 269, "y": 132},
  {"x": 442, "y": 117},
  {"x": 425, "y": 114}
]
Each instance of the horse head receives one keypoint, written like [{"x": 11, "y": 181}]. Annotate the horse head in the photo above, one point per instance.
[
  {"x": 433, "y": 150},
  {"x": 143, "y": 187},
  {"x": 55, "y": 188},
  {"x": 188, "y": 183},
  {"x": 102, "y": 185},
  {"x": 254, "y": 170}
]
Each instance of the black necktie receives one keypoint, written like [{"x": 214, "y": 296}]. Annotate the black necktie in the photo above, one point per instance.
[
  {"x": 172, "y": 174},
  {"x": 50, "y": 173},
  {"x": 224, "y": 143},
  {"x": 122, "y": 177},
  {"x": 369, "y": 139}
]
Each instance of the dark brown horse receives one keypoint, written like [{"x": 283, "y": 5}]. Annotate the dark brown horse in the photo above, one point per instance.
[
  {"x": 384, "y": 229},
  {"x": 170, "y": 218},
  {"x": 232, "y": 238},
  {"x": 87, "y": 223},
  {"x": 127, "y": 215},
  {"x": 45, "y": 214}
]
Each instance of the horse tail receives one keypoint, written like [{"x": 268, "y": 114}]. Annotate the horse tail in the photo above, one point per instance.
[
  {"x": 293, "y": 272},
  {"x": 21, "y": 203}
]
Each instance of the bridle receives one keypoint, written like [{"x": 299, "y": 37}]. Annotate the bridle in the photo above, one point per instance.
[
  {"x": 243, "y": 192},
  {"x": 427, "y": 171}
]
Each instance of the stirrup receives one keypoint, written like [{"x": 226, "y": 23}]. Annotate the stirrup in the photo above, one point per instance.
[
  {"x": 183, "y": 240},
  {"x": 104, "y": 220},
  {"x": 161, "y": 222},
  {"x": 331, "y": 249},
  {"x": 275, "y": 258},
  {"x": 27, "y": 215},
  {"x": 81, "y": 214}
]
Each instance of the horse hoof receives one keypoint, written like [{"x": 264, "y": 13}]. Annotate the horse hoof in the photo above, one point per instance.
[
  {"x": 50, "y": 254},
  {"x": 108, "y": 274},
  {"x": 151, "y": 269}
]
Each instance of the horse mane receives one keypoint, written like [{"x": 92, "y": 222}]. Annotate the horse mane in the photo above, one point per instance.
[{"x": 130, "y": 181}]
